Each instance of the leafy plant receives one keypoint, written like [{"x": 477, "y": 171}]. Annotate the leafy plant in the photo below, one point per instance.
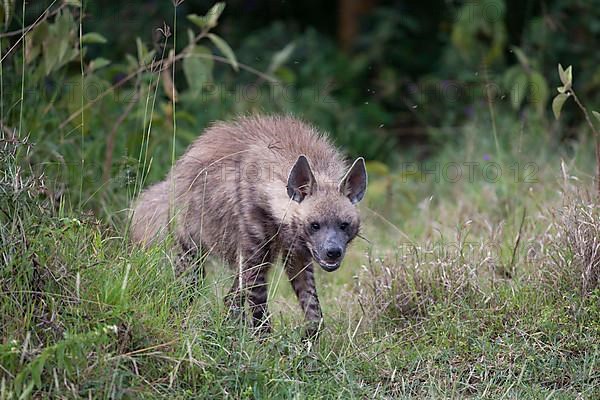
[
  {"x": 565, "y": 92},
  {"x": 81, "y": 112},
  {"x": 67, "y": 355},
  {"x": 479, "y": 32},
  {"x": 524, "y": 80}
]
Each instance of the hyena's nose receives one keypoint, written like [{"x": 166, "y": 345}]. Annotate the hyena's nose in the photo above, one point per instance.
[{"x": 333, "y": 253}]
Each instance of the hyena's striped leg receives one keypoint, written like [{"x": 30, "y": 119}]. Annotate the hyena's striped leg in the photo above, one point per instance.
[
  {"x": 235, "y": 299},
  {"x": 300, "y": 273},
  {"x": 255, "y": 278},
  {"x": 251, "y": 281}
]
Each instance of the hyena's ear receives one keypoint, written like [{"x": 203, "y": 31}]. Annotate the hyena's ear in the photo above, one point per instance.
[
  {"x": 354, "y": 183},
  {"x": 301, "y": 181}
]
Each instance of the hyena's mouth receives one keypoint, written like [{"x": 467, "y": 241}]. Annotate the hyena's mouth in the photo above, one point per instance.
[{"x": 327, "y": 266}]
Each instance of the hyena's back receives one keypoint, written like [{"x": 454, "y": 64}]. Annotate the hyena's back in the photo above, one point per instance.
[{"x": 230, "y": 185}]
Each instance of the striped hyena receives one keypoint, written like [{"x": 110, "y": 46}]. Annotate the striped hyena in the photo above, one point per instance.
[{"x": 253, "y": 189}]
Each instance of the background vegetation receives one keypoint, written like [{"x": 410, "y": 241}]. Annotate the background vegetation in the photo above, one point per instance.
[{"x": 479, "y": 273}]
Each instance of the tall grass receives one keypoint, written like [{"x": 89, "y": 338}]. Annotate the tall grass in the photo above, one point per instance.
[{"x": 482, "y": 304}]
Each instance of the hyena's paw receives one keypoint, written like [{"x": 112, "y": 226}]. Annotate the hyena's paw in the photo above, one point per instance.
[
  {"x": 235, "y": 311},
  {"x": 263, "y": 328},
  {"x": 312, "y": 331},
  {"x": 188, "y": 263}
]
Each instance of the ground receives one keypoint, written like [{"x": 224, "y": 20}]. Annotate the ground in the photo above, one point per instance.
[{"x": 465, "y": 289}]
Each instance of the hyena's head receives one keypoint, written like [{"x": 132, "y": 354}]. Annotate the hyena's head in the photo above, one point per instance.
[{"x": 328, "y": 218}]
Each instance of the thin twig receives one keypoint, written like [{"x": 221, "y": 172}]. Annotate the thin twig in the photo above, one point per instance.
[
  {"x": 110, "y": 140},
  {"x": 596, "y": 137},
  {"x": 585, "y": 112},
  {"x": 45, "y": 16},
  {"x": 517, "y": 241},
  {"x": 491, "y": 110},
  {"x": 26, "y": 31},
  {"x": 390, "y": 223},
  {"x": 144, "y": 350}
]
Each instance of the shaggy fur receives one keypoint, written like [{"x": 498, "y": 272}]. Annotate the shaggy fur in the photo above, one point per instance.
[{"x": 227, "y": 196}]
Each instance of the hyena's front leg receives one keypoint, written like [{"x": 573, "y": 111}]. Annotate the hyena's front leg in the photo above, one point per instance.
[
  {"x": 235, "y": 299},
  {"x": 301, "y": 276},
  {"x": 251, "y": 281},
  {"x": 256, "y": 283}
]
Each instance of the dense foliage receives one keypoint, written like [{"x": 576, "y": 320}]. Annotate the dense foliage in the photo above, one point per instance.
[{"x": 408, "y": 79}]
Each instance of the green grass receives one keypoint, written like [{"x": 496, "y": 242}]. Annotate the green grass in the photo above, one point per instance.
[{"x": 83, "y": 313}]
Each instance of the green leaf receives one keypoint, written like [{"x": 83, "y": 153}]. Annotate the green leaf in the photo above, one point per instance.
[
  {"x": 561, "y": 74},
  {"x": 511, "y": 75},
  {"x": 65, "y": 24},
  {"x": 93, "y": 37},
  {"x": 566, "y": 76},
  {"x": 539, "y": 91},
  {"x": 144, "y": 56},
  {"x": 98, "y": 63},
  {"x": 7, "y": 10},
  {"x": 597, "y": 115},
  {"x": 61, "y": 37},
  {"x": 75, "y": 3},
  {"x": 26, "y": 393},
  {"x": 191, "y": 37},
  {"x": 197, "y": 68},
  {"x": 132, "y": 62},
  {"x": 284, "y": 74},
  {"x": 521, "y": 56},
  {"x": 214, "y": 13},
  {"x": 518, "y": 90},
  {"x": 281, "y": 57},
  {"x": 34, "y": 42},
  {"x": 51, "y": 53},
  {"x": 210, "y": 20},
  {"x": 225, "y": 49},
  {"x": 557, "y": 104},
  {"x": 60, "y": 356},
  {"x": 197, "y": 20},
  {"x": 142, "y": 51},
  {"x": 37, "y": 367}
]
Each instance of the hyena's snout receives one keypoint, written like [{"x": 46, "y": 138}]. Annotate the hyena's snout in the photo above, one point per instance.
[
  {"x": 330, "y": 253},
  {"x": 334, "y": 253}
]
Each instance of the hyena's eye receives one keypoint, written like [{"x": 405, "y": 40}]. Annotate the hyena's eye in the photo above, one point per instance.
[
  {"x": 344, "y": 226},
  {"x": 315, "y": 226}
]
